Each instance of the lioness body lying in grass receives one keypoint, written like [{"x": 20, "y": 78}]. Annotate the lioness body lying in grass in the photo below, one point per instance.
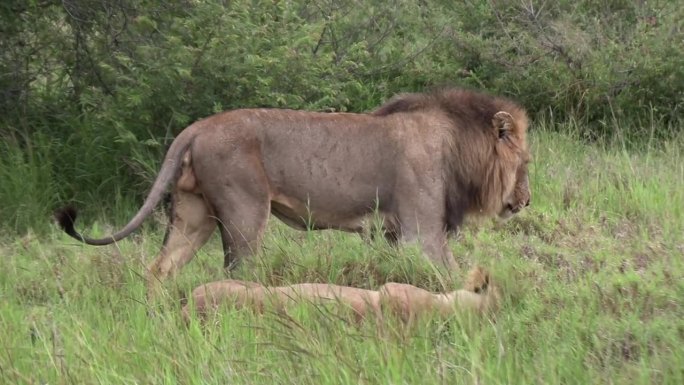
[{"x": 404, "y": 300}]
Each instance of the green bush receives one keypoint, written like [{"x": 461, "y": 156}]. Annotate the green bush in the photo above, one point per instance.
[{"x": 97, "y": 90}]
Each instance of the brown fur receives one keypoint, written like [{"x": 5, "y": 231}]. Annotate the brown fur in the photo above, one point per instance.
[
  {"x": 406, "y": 301},
  {"x": 423, "y": 161}
]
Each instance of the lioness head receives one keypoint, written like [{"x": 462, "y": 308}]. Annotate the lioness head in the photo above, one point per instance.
[{"x": 511, "y": 148}]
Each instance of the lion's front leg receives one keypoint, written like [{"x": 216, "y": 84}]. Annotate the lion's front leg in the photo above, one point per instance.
[
  {"x": 421, "y": 215},
  {"x": 430, "y": 233},
  {"x": 435, "y": 246}
]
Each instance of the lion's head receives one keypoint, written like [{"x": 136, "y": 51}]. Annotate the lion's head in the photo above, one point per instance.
[
  {"x": 511, "y": 148},
  {"x": 487, "y": 143}
]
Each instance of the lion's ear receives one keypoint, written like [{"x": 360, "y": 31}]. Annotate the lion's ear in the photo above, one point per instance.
[{"x": 503, "y": 124}]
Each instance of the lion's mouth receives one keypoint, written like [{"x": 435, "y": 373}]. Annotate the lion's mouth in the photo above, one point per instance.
[{"x": 508, "y": 211}]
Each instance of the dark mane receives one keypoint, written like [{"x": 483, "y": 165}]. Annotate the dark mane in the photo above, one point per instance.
[
  {"x": 473, "y": 167},
  {"x": 403, "y": 103},
  {"x": 463, "y": 106}
]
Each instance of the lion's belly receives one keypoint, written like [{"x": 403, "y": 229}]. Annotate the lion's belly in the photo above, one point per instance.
[
  {"x": 301, "y": 215},
  {"x": 328, "y": 193}
]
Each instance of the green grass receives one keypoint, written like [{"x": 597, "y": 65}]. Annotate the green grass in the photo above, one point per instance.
[{"x": 593, "y": 276}]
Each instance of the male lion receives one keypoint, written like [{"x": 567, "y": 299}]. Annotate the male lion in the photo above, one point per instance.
[
  {"x": 404, "y": 300},
  {"x": 423, "y": 161}
]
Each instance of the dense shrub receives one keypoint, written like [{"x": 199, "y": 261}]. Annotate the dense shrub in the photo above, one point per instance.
[{"x": 93, "y": 91}]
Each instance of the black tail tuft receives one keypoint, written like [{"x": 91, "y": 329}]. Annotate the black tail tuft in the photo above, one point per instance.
[{"x": 65, "y": 218}]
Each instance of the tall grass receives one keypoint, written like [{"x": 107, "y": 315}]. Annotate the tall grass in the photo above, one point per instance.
[
  {"x": 591, "y": 275},
  {"x": 27, "y": 189}
]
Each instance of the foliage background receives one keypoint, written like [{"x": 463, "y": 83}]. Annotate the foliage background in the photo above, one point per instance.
[{"x": 92, "y": 91}]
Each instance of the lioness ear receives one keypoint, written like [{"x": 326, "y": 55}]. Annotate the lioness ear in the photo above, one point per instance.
[{"x": 503, "y": 124}]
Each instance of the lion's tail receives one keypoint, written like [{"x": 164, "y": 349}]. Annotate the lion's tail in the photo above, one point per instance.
[{"x": 65, "y": 217}]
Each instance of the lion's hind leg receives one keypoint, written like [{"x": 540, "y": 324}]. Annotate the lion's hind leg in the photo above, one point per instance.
[
  {"x": 191, "y": 224},
  {"x": 241, "y": 198},
  {"x": 242, "y": 221}
]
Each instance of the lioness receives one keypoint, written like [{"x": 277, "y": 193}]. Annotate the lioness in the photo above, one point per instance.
[
  {"x": 406, "y": 301},
  {"x": 421, "y": 161}
]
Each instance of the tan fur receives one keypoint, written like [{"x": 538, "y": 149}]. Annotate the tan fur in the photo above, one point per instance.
[
  {"x": 408, "y": 302},
  {"x": 421, "y": 162}
]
